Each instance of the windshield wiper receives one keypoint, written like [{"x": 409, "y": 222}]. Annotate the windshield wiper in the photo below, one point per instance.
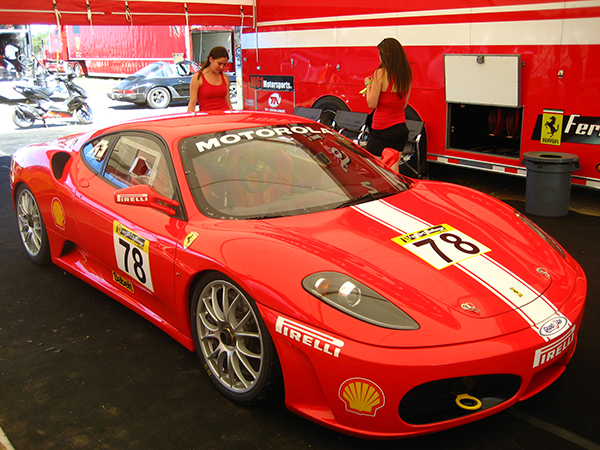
[{"x": 364, "y": 198}]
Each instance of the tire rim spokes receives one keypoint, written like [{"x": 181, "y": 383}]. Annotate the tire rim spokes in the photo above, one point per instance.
[
  {"x": 230, "y": 336},
  {"x": 30, "y": 223}
]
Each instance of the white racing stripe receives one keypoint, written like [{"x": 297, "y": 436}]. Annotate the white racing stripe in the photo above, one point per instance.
[{"x": 541, "y": 315}]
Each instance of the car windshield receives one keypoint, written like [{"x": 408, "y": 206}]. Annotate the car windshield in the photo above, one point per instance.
[
  {"x": 281, "y": 170},
  {"x": 156, "y": 70}
]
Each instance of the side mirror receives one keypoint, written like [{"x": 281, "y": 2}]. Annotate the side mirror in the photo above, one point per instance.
[
  {"x": 389, "y": 157},
  {"x": 144, "y": 195}
]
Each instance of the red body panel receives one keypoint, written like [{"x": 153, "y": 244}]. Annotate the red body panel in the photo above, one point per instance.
[
  {"x": 329, "y": 51},
  {"x": 116, "y": 50},
  {"x": 324, "y": 352}
]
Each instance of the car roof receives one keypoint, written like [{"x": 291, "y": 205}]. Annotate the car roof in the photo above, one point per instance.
[{"x": 177, "y": 126}]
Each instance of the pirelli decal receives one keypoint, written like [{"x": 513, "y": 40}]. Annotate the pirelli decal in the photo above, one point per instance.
[
  {"x": 554, "y": 350},
  {"x": 310, "y": 337},
  {"x": 443, "y": 246}
]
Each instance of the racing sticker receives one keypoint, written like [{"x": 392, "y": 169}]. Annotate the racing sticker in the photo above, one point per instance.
[
  {"x": 361, "y": 396},
  {"x": 122, "y": 281},
  {"x": 441, "y": 245},
  {"x": 310, "y": 337},
  {"x": 189, "y": 239},
  {"x": 132, "y": 253},
  {"x": 554, "y": 350},
  {"x": 58, "y": 213}
]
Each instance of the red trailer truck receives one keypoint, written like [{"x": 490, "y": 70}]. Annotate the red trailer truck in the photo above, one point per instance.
[
  {"x": 105, "y": 50},
  {"x": 492, "y": 79}
]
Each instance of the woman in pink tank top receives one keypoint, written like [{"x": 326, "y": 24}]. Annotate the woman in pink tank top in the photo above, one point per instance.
[
  {"x": 210, "y": 87},
  {"x": 387, "y": 93}
]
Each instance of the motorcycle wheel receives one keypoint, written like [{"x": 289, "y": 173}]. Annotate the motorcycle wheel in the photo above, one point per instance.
[
  {"x": 84, "y": 114},
  {"x": 21, "y": 119}
]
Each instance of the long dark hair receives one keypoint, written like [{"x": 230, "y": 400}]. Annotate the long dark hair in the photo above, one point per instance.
[
  {"x": 394, "y": 61},
  {"x": 216, "y": 53}
]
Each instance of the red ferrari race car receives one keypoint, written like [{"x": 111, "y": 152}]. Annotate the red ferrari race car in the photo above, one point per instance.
[{"x": 285, "y": 254}]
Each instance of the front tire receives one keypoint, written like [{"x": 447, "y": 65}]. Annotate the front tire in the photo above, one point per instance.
[
  {"x": 158, "y": 98},
  {"x": 232, "y": 340},
  {"x": 21, "y": 119},
  {"x": 32, "y": 228},
  {"x": 84, "y": 114}
]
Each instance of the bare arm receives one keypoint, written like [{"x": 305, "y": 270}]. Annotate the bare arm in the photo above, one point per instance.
[
  {"x": 374, "y": 89},
  {"x": 195, "y": 84}
]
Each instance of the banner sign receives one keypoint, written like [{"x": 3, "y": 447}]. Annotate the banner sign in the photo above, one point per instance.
[
  {"x": 553, "y": 127},
  {"x": 273, "y": 93},
  {"x": 272, "y": 83}
]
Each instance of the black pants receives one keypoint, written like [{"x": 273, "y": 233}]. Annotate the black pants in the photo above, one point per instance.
[{"x": 394, "y": 137}]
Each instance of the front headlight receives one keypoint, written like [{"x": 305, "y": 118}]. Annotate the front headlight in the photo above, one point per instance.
[
  {"x": 357, "y": 300},
  {"x": 541, "y": 233}
]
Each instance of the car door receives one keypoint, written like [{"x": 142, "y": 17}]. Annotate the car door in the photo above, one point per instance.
[
  {"x": 181, "y": 82},
  {"x": 134, "y": 245}
]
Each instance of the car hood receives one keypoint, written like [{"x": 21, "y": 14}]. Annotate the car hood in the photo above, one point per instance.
[{"x": 512, "y": 267}]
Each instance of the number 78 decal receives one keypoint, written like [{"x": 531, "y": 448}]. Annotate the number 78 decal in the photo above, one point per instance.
[
  {"x": 132, "y": 253},
  {"x": 441, "y": 245}
]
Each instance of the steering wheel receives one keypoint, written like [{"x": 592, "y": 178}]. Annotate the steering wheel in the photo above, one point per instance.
[{"x": 256, "y": 172}]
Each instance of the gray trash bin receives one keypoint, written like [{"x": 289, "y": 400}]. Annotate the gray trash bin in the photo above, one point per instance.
[{"x": 548, "y": 184}]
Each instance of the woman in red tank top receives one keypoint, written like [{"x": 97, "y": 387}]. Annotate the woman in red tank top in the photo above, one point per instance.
[
  {"x": 387, "y": 93},
  {"x": 210, "y": 87}
]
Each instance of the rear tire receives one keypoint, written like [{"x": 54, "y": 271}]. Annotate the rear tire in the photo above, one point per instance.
[
  {"x": 84, "y": 114},
  {"x": 158, "y": 98},
  {"x": 330, "y": 106},
  {"x": 77, "y": 70},
  {"x": 21, "y": 119},
  {"x": 32, "y": 228}
]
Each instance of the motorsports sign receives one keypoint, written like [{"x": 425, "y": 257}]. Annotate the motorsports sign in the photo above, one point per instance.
[{"x": 274, "y": 93}]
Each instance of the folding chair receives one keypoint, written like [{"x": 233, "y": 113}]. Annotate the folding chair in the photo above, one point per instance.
[
  {"x": 308, "y": 113},
  {"x": 353, "y": 125},
  {"x": 411, "y": 150},
  {"x": 413, "y": 147}
]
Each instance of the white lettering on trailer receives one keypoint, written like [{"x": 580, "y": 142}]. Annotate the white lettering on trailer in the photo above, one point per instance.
[
  {"x": 581, "y": 128},
  {"x": 532, "y": 306},
  {"x": 309, "y": 337}
]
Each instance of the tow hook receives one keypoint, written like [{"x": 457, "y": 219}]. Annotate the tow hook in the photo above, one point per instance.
[{"x": 468, "y": 402}]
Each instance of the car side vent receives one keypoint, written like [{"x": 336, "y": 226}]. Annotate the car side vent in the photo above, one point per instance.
[{"x": 59, "y": 161}]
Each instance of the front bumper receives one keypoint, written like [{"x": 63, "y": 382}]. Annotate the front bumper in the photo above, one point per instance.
[{"x": 383, "y": 393}]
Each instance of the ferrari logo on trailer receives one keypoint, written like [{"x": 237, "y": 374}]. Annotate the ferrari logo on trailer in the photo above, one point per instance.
[{"x": 552, "y": 129}]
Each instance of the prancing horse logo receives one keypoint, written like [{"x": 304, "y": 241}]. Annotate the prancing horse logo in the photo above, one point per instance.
[{"x": 551, "y": 125}]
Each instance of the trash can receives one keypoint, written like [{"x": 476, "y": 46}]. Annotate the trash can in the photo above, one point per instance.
[{"x": 548, "y": 184}]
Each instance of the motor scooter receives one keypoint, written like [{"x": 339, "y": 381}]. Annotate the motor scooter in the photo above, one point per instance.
[{"x": 40, "y": 106}]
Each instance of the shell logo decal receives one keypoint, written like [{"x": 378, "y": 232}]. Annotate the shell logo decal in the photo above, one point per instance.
[
  {"x": 361, "y": 396},
  {"x": 58, "y": 213}
]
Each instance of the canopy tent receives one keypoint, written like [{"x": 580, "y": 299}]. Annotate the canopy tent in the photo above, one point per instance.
[{"x": 128, "y": 12}]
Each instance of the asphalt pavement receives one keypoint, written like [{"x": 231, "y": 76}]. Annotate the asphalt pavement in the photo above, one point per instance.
[{"x": 80, "y": 371}]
